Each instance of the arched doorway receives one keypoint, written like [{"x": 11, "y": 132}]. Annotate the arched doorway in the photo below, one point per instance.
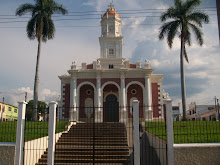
[{"x": 111, "y": 109}]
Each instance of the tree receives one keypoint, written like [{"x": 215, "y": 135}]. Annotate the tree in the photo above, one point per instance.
[
  {"x": 183, "y": 18},
  {"x": 40, "y": 26},
  {"x": 42, "y": 108}
]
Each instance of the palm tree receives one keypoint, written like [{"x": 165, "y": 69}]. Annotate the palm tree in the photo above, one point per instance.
[
  {"x": 183, "y": 18},
  {"x": 40, "y": 26}
]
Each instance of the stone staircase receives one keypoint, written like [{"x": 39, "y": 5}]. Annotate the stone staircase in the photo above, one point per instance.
[{"x": 85, "y": 143}]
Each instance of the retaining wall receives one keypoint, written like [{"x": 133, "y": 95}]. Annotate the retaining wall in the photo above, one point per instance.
[
  {"x": 7, "y": 153},
  {"x": 201, "y": 154}
]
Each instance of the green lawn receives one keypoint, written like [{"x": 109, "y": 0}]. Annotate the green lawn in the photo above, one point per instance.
[
  {"x": 33, "y": 130},
  {"x": 188, "y": 131},
  {"x": 184, "y": 131}
]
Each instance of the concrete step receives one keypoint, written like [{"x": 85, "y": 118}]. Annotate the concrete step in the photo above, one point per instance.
[
  {"x": 71, "y": 160},
  {"x": 90, "y": 152},
  {"x": 91, "y": 138},
  {"x": 91, "y": 135},
  {"x": 124, "y": 143},
  {"x": 79, "y": 146},
  {"x": 71, "y": 156},
  {"x": 82, "y": 164}
]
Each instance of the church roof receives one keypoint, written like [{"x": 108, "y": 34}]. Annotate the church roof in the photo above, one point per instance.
[{"x": 111, "y": 12}]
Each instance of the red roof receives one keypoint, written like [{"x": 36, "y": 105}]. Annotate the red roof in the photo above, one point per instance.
[{"x": 111, "y": 12}]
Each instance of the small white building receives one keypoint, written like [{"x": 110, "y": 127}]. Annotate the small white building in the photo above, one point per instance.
[{"x": 197, "y": 112}]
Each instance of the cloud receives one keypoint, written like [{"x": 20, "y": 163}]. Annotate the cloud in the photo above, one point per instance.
[
  {"x": 17, "y": 68},
  {"x": 13, "y": 96}
]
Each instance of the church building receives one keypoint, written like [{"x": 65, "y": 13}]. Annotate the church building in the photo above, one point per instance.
[{"x": 111, "y": 81}]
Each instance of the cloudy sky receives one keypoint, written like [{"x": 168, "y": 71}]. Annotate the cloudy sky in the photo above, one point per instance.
[{"x": 76, "y": 39}]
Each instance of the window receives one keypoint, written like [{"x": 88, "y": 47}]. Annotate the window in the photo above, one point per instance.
[
  {"x": 88, "y": 92},
  {"x": 9, "y": 108},
  {"x": 15, "y": 110},
  {"x": 111, "y": 51},
  {"x": 111, "y": 66},
  {"x": 133, "y": 91}
]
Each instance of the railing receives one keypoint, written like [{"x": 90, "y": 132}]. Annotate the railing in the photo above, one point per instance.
[{"x": 93, "y": 137}]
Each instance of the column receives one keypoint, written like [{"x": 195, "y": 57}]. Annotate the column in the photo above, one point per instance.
[
  {"x": 123, "y": 112},
  {"x": 19, "y": 149},
  {"x": 148, "y": 108},
  {"x": 61, "y": 103},
  {"x": 51, "y": 133},
  {"x": 98, "y": 110},
  {"x": 170, "y": 138},
  {"x": 73, "y": 116},
  {"x": 136, "y": 134}
]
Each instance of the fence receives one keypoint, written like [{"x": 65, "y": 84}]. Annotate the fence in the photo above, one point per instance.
[
  {"x": 196, "y": 131},
  {"x": 96, "y": 136},
  {"x": 8, "y": 131},
  {"x": 85, "y": 135},
  {"x": 90, "y": 140},
  {"x": 153, "y": 137}
]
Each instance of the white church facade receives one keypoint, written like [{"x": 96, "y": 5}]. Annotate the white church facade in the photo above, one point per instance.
[{"x": 111, "y": 81}]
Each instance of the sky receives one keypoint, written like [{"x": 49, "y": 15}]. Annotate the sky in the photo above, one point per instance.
[{"x": 76, "y": 39}]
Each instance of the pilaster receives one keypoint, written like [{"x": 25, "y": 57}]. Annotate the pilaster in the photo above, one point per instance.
[
  {"x": 73, "y": 114},
  {"x": 98, "y": 110},
  {"x": 148, "y": 109},
  {"x": 123, "y": 111}
]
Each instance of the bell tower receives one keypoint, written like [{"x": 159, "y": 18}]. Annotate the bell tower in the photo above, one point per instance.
[{"x": 111, "y": 40}]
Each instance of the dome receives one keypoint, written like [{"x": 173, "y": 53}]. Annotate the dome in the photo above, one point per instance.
[{"x": 111, "y": 12}]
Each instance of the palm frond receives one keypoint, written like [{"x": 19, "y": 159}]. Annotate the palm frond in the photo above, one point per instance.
[
  {"x": 185, "y": 54},
  {"x": 198, "y": 34},
  {"x": 178, "y": 4},
  {"x": 169, "y": 14},
  {"x": 25, "y": 8},
  {"x": 187, "y": 37},
  {"x": 48, "y": 29},
  {"x": 164, "y": 30},
  {"x": 173, "y": 28},
  {"x": 198, "y": 17},
  {"x": 31, "y": 28},
  {"x": 190, "y": 4},
  {"x": 59, "y": 9}
]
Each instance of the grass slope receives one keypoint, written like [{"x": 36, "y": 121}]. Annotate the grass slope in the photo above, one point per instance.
[
  {"x": 33, "y": 130},
  {"x": 188, "y": 131}
]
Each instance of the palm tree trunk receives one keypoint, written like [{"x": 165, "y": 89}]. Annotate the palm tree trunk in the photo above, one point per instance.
[
  {"x": 36, "y": 81},
  {"x": 183, "y": 87}
]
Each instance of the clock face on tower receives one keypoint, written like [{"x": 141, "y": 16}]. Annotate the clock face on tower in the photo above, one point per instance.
[{"x": 111, "y": 28}]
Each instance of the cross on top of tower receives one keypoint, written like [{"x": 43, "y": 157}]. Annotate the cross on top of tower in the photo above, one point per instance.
[{"x": 111, "y": 5}]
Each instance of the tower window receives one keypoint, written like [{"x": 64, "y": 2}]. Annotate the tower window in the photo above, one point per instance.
[
  {"x": 111, "y": 51},
  {"x": 111, "y": 66}
]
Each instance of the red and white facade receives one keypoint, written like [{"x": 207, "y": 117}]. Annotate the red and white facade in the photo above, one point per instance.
[{"x": 111, "y": 75}]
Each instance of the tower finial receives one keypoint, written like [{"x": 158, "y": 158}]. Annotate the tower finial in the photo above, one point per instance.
[{"x": 111, "y": 5}]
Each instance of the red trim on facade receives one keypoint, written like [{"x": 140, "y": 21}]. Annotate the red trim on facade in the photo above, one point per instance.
[
  {"x": 155, "y": 99},
  {"x": 66, "y": 100},
  {"x": 89, "y": 66},
  {"x": 132, "y": 65}
]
